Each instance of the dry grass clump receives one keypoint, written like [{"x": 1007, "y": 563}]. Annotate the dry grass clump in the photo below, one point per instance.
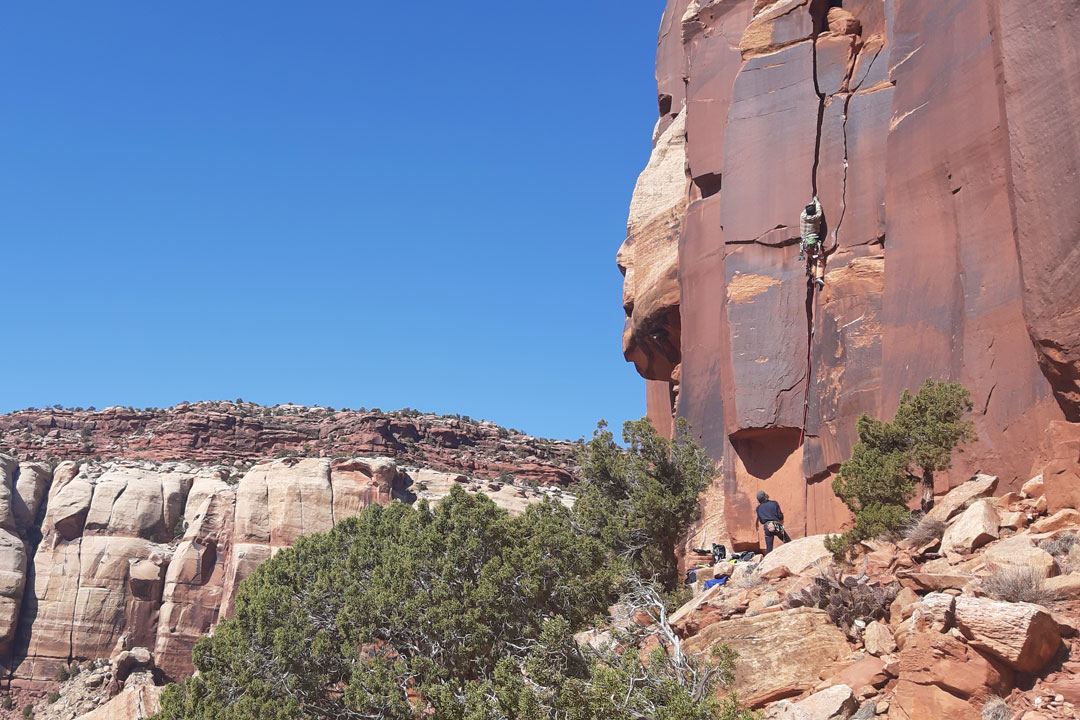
[
  {"x": 1017, "y": 583},
  {"x": 866, "y": 711},
  {"x": 996, "y": 709},
  {"x": 1059, "y": 546},
  {"x": 924, "y": 530}
]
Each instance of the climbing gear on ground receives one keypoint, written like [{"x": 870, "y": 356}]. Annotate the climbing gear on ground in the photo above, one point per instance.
[
  {"x": 718, "y": 552},
  {"x": 714, "y": 582}
]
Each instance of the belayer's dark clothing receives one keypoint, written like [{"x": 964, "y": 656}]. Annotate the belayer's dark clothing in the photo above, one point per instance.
[
  {"x": 769, "y": 511},
  {"x": 769, "y": 535},
  {"x": 771, "y": 518}
]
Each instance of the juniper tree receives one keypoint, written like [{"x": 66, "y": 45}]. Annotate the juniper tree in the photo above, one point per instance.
[
  {"x": 933, "y": 423},
  {"x": 462, "y": 612},
  {"x": 878, "y": 481},
  {"x": 641, "y": 499}
]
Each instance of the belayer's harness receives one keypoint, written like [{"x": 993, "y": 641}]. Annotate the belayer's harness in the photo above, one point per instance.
[{"x": 774, "y": 527}]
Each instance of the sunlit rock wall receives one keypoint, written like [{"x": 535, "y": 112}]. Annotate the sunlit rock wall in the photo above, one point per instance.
[{"x": 938, "y": 135}]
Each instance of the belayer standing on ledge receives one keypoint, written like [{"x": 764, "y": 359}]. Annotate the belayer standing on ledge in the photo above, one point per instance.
[
  {"x": 771, "y": 518},
  {"x": 810, "y": 245}
]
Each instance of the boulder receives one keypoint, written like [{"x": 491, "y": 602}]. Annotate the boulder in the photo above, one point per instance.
[
  {"x": 956, "y": 499},
  {"x": 133, "y": 703},
  {"x": 128, "y": 661},
  {"x": 842, "y": 22},
  {"x": 767, "y": 599},
  {"x": 1006, "y": 501},
  {"x": 835, "y": 703},
  {"x": 1019, "y": 550},
  {"x": 1033, "y": 488},
  {"x": 902, "y": 606},
  {"x": 1022, "y": 635},
  {"x": 786, "y": 710},
  {"x": 974, "y": 528},
  {"x": 30, "y": 489},
  {"x": 934, "y": 613},
  {"x": 934, "y": 582},
  {"x": 795, "y": 557},
  {"x": 1065, "y": 519},
  {"x": 878, "y": 639},
  {"x": 1014, "y": 520},
  {"x": 869, "y": 671},
  {"x": 904, "y": 630},
  {"x": 1066, "y": 587},
  {"x": 781, "y": 654},
  {"x": 941, "y": 660},
  {"x": 715, "y": 604},
  {"x": 912, "y": 701},
  {"x": 68, "y": 508},
  {"x": 1061, "y": 485}
]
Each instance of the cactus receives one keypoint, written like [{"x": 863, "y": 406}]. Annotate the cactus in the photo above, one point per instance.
[{"x": 846, "y": 599}]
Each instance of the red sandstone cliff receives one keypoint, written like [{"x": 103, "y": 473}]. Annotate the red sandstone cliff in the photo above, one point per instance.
[
  {"x": 941, "y": 138},
  {"x": 239, "y": 432}
]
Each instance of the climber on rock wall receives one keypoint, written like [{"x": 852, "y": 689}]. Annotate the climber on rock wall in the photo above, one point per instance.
[
  {"x": 810, "y": 246},
  {"x": 771, "y": 518}
]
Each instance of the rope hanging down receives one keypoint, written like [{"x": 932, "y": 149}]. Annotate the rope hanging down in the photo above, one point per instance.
[{"x": 810, "y": 248}]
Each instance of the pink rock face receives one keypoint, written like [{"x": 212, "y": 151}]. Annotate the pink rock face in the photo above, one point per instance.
[{"x": 934, "y": 137}]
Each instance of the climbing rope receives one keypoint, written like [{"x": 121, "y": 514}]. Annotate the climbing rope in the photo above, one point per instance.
[{"x": 811, "y": 322}]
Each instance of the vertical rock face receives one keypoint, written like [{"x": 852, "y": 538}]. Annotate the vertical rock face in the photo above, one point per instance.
[
  {"x": 22, "y": 488},
  {"x": 937, "y": 136}
]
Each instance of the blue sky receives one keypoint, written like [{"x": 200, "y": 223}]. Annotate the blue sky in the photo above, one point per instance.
[{"x": 335, "y": 203}]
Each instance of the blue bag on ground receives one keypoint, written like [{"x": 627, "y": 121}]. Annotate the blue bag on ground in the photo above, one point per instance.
[{"x": 715, "y": 581}]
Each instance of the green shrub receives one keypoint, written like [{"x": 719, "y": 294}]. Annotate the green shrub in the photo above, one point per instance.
[
  {"x": 28, "y": 712},
  {"x": 446, "y": 594},
  {"x": 878, "y": 481},
  {"x": 7, "y": 703},
  {"x": 641, "y": 499},
  {"x": 932, "y": 422},
  {"x": 62, "y": 674},
  {"x": 460, "y": 612},
  {"x": 53, "y": 696}
]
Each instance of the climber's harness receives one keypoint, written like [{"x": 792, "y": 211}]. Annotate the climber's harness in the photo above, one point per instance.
[
  {"x": 774, "y": 527},
  {"x": 810, "y": 229}
]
